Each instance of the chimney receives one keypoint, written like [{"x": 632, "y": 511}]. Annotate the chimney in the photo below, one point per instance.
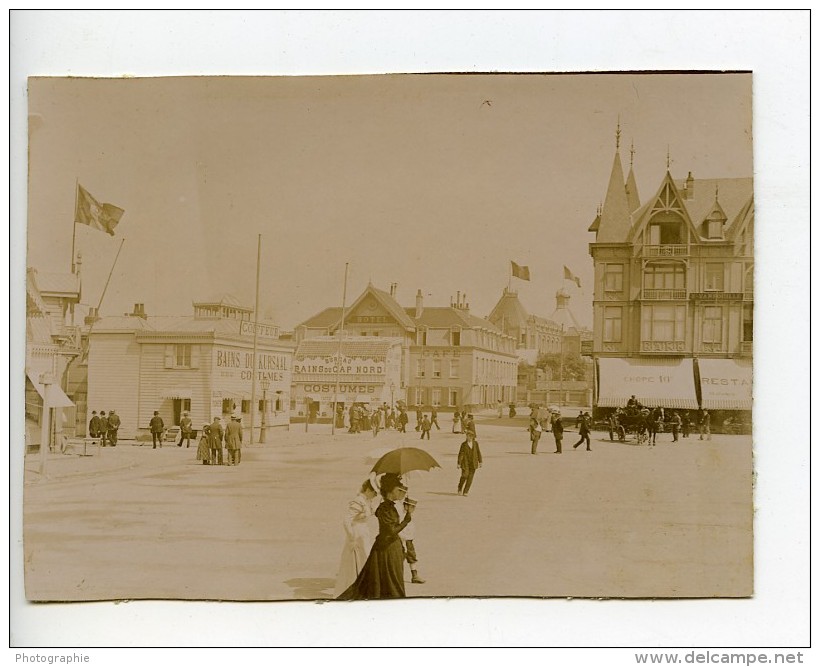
[
  {"x": 458, "y": 299},
  {"x": 690, "y": 186},
  {"x": 419, "y": 304},
  {"x": 393, "y": 289},
  {"x": 93, "y": 316},
  {"x": 139, "y": 311}
]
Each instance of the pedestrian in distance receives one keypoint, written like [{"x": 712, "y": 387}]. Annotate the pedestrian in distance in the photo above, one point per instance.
[
  {"x": 185, "y": 430},
  {"x": 203, "y": 451},
  {"x": 94, "y": 425},
  {"x": 500, "y": 408},
  {"x": 113, "y": 426},
  {"x": 215, "y": 437},
  {"x": 583, "y": 431},
  {"x": 535, "y": 434},
  {"x": 157, "y": 427},
  {"x": 382, "y": 575},
  {"x": 358, "y": 537},
  {"x": 419, "y": 417},
  {"x": 557, "y": 431},
  {"x": 425, "y": 427},
  {"x": 103, "y": 429},
  {"x": 456, "y": 422},
  {"x": 468, "y": 425},
  {"x": 706, "y": 425},
  {"x": 233, "y": 441},
  {"x": 676, "y": 424},
  {"x": 512, "y": 410},
  {"x": 376, "y": 421},
  {"x": 686, "y": 424},
  {"x": 403, "y": 421},
  {"x": 469, "y": 460},
  {"x": 434, "y": 418}
]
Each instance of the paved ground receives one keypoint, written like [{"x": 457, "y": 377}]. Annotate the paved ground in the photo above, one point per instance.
[{"x": 620, "y": 521}]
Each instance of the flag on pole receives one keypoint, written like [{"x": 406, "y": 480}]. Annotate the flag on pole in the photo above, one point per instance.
[
  {"x": 520, "y": 272},
  {"x": 99, "y": 216},
  {"x": 569, "y": 275}
]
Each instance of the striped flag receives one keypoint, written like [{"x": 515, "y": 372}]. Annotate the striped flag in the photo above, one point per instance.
[
  {"x": 569, "y": 275},
  {"x": 99, "y": 216},
  {"x": 520, "y": 272}
]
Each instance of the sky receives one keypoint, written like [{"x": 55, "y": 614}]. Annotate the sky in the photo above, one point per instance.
[{"x": 433, "y": 182}]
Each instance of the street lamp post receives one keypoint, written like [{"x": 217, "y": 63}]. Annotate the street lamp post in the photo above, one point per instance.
[
  {"x": 265, "y": 382},
  {"x": 46, "y": 379},
  {"x": 392, "y": 389}
]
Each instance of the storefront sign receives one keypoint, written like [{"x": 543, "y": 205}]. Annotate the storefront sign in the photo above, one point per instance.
[
  {"x": 668, "y": 384},
  {"x": 239, "y": 364},
  {"x": 343, "y": 388},
  {"x": 262, "y": 330},
  {"x": 336, "y": 365},
  {"x": 725, "y": 384}
]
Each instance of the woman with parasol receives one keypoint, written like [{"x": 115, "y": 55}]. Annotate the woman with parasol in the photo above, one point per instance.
[{"x": 383, "y": 573}]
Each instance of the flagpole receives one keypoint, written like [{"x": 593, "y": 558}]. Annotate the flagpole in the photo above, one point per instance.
[
  {"x": 255, "y": 334},
  {"x": 561, "y": 372},
  {"x": 509, "y": 280},
  {"x": 110, "y": 273},
  {"x": 339, "y": 360},
  {"x": 74, "y": 224}
]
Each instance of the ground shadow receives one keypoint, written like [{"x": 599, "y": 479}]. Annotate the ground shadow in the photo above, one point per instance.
[
  {"x": 441, "y": 493},
  {"x": 312, "y": 588}
]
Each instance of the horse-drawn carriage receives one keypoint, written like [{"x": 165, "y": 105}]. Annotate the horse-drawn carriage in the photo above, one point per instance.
[{"x": 630, "y": 424}]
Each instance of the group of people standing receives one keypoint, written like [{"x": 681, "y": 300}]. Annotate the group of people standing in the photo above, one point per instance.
[
  {"x": 104, "y": 427},
  {"x": 212, "y": 439},
  {"x": 551, "y": 422}
]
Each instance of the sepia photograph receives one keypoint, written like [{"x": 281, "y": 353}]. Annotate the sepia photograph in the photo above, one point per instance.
[
  {"x": 367, "y": 337},
  {"x": 429, "y": 328}
]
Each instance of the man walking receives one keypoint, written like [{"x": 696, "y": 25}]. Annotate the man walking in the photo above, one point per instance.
[
  {"x": 676, "y": 424},
  {"x": 469, "y": 460},
  {"x": 403, "y": 421},
  {"x": 583, "y": 431},
  {"x": 434, "y": 418},
  {"x": 103, "y": 429},
  {"x": 185, "y": 430},
  {"x": 157, "y": 427},
  {"x": 215, "y": 440},
  {"x": 113, "y": 427},
  {"x": 376, "y": 421},
  {"x": 419, "y": 417},
  {"x": 233, "y": 441},
  {"x": 425, "y": 427},
  {"x": 557, "y": 431}
]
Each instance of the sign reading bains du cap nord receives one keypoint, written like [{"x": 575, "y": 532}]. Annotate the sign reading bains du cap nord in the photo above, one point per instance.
[{"x": 334, "y": 365}]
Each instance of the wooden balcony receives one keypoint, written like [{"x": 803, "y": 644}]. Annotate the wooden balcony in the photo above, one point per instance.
[{"x": 668, "y": 250}]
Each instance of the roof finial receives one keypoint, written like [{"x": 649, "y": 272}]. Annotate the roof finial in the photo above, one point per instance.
[
  {"x": 618, "y": 134},
  {"x": 631, "y": 153},
  {"x": 668, "y": 158},
  {"x": 717, "y": 188}
]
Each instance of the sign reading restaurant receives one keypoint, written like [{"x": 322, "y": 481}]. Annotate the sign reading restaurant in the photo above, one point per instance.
[{"x": 334, "y": 365}]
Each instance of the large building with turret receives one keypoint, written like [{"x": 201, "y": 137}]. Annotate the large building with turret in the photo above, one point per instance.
[{"x": 674, "y": 292}]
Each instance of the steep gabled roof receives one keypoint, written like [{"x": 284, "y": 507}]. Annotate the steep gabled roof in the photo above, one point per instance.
[
  {"x": 332, "y": 317},
  {"x": 667, "y": 197},
  {"x": 509, "y": 311},
  {"x": 615, "y": 215},
  {"x": 323, "y": 320},
  {"x": 368, "y": 347},
  {"x": 632, "y": 197}
]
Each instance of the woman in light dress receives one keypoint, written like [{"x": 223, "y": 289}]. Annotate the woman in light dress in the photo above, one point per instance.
[{"x": 358, "y": 537}]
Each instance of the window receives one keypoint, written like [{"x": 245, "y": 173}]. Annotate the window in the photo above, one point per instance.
[
  {"x": 419, "y": 396},
  {"x": 614, "y": 278},
  {"x": 181, "y": 356},
  {"x": 453, "y": 368},
  {"x": 436, "y": 397},
  {"x": 749, "y": 281},
  {"x": 453, "y": 398},
  {"x": 436, "y": 368},
  {"x": 261, "y": 407},
  {"x": 712, "y": 324},
  {"x": 713, "y": 278},
  {"x": 421, "y": 337},
  {"x": 714, "y": 229},
  {"x": 455, "y": 337},
  {"x": 612, "y": 324},
  {"x": 228, "y": 406},
  {"x": 523, "y": 337},
  {"x": 246, "y": 406},
  {"x": 748, "y": 322},
  {"x": 663, "y": 323},
  {"x": 420, "y": 368},
  {"x": 665, "y": 233},
  {"x": 664, "y": 276}
]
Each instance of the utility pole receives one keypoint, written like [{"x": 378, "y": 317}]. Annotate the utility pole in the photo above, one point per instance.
[{"x": 339, "y": 359}]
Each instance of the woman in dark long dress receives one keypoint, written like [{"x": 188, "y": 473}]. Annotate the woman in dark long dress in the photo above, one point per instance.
[{"x": 383, "y": 573}]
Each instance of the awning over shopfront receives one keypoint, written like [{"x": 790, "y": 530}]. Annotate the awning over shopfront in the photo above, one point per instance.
[
  {"x": 725, "y": 384},
  {"x": 176, "y": 393},
  {"x": 56, "y": 396},
  {"x": 667, "y": 383}
]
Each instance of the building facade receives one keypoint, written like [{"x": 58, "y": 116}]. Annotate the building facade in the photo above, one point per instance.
[
  {"x": 450, "y": 358},
  {"x": 674, "y": 292},
  {"x": 203, "y": 364}
]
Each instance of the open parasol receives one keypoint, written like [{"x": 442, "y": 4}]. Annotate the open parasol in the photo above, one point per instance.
[{"x": 404, "y": 460}]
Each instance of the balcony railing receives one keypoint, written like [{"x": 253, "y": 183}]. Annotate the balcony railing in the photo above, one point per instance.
[
  {"x": 668, "y": 250},
  {"x": 664, "y": 294},
  {"x": 663, "y": 346},
  {"x": 746, "y": 347}
]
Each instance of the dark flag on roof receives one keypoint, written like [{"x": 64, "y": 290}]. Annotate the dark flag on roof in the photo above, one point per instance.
[
  {"x": 94, "y": 214},
  {"x": 520, "y": 272},
  {"x": 569, "y": 275}
]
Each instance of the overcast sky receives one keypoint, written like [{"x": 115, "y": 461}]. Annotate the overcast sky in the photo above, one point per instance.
[{"x": 432, "y": 182}]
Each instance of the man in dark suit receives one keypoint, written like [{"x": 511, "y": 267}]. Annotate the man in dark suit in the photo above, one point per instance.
[
  {"x": 103, "y": 429},
  {"x": 157, "y": 427},
  {"x": 215, "y": 437},
  {"x": 469, "y": 460},
  {"x": 583, "y": 431},
  {"x": 113, "y": 426},
  {"x": 94, "y": 425}
]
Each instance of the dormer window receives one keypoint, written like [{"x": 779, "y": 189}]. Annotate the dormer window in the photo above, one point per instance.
[
  {"x": 714, "y": 229},
  {"x": 666, "y": 229}
]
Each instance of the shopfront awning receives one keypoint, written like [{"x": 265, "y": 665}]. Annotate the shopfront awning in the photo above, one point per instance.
[
  {"x": 56, "y": 396},
  {"x": 667, "y": 383},
  {"x": 726, "y": 384},
  {"x": 176, "y": 393}
]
